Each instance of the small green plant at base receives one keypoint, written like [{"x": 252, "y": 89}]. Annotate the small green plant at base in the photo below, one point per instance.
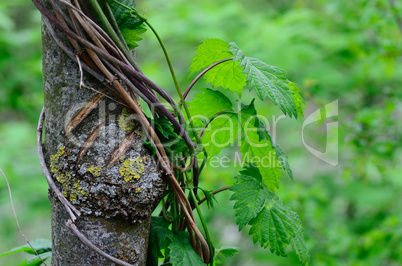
[{"x": 42, "y": 246}]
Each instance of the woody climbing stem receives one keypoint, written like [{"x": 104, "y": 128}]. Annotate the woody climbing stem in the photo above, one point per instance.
[
  {"x": 105, "y": 196},
  {"x": 111, "y": 163}
]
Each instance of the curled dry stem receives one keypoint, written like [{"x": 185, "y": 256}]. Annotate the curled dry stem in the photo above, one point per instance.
[{"x": 96, "y": 51}]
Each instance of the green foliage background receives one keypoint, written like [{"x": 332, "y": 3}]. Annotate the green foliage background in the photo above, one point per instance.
[{"x": 350, "y": 51}]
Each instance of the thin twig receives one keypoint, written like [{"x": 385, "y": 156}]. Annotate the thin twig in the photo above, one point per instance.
[
  {"x": 89, "y": 142},
  {"x": 125, "y": 67},
  {"x": 73, "y": 57},
  {"x": 213, "y": 118},
  {"x": 213, "y": 193},
  {"x": 186, "y": 168},
  {"x": 98, "y": 29},
  {"x": 201, "y": 74},
  {"x": 70, "y": 53},
  {"x": 144, "y": 94},
  {"x": 82, "y": 84},
  {"x": 16, "y": 219}
]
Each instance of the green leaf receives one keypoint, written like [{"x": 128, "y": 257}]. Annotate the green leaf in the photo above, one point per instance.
[
  {"x": 248, "y": 196},
  {"x": 297, "y": 98},
  {"x": 164, "y": 127},
  {"x": 181, "y": 251},
  {"x": 263, "y": 156},
  {"x": 208, "y": 103},
  {"x": 209, "y": 198},
  {"x": 160, "y": 233},
  {"x": 209, "y": 52},
  {"x": 273, "y": 224},
  {"x": 132, "y": 36},
  {"x": 130, "y": 23},
  {"x": 178, "y": 243},
  {"x": 220, "y": 133},
  {"x": 126, "y": 16},
  {"x": 40, "y": 245},
  {"x": 283, "y": 158},
  {"x": 280, "y": 154},
  {"x": 227, "y": 75},
  {"x": 267, "y": 81},
  {"x": 258, "y": 150},
  {"x": 223, "y": 130},
  {"x": 36, "y": 261},
  {"x": 226, "y": 251},
  {"x": 249, "y": 112},
  {"x": 171, "y": 141}
]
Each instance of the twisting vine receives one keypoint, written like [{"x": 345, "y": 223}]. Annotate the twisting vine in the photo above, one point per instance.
[
  {"x": 101, "y": 48},
  {"x": 104, "y": 61}
]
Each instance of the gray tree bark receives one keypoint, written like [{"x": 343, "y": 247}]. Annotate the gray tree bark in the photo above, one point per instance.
[{"x": 116, "y": 202}]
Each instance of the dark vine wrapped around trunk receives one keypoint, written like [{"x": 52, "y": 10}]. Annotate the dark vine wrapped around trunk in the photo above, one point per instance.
[
  {"x": 95, "y": 128},
  {"x": 82, "y": 129},
  {"x": 105, "y": 184}
]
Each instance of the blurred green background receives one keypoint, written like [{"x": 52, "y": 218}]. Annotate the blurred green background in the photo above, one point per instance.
[{"x": 350, "y": 51}]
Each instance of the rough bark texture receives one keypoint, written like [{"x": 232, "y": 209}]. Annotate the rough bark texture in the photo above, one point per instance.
[{"x": 116, "y": 203}]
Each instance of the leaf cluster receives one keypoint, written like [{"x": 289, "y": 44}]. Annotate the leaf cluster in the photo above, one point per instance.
[
  {"x": 175, "y": 245},
  {"x": 130, "y": 23},
  {"x": 273, "y": 224}
]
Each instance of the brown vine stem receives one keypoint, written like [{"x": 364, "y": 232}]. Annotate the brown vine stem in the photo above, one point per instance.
[
  {"x": 201, "y": 74},
  {"x": 104, "y": 54},
  {"x": 213, "y": 193},
  {"x": 99, "y": 51},
  {"x": 73, "y": 57},
  {"x": 213, "y": 118},
  {"x": 16, "y": 219}
]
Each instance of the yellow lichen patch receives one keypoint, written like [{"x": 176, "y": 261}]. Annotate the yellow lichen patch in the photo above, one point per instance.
[
  {"x": 64, "y": 178},
  {"x": 61, "y": 178},
  {"x": 61, "y": 151},
  {"x": 138, "y": 131},
  {"x": 138, "y": 190},
  {"x": 73, "y": 196},
  {"x": 71, "y": 190},
  {"x": 54, "y": 160},
  {"x": 84, "y": 193},
  {"x": 126, "y": 121},
  {"x": 95, "y": 171},
  {"x": 132, "y": 169},
  {"x": 79, "y": 189},
  {"x": 71, "y": 187}
]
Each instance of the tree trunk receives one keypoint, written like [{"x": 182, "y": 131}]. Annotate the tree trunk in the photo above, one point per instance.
[{"x": 116, "y": 202}]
